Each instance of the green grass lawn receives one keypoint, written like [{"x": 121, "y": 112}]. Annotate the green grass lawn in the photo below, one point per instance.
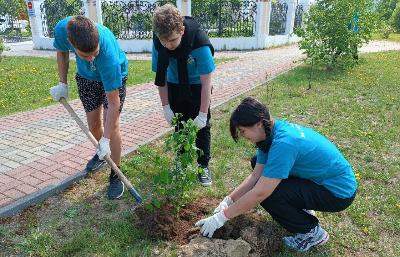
[
  {"x": 357, "y": 109},
  {"x": 392, "y": 37},
  {"x": 25, "y": 81}
]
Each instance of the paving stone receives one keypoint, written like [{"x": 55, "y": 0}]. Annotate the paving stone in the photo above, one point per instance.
[
  {"x": 30, "y": 180},
  {"x": 12, "y": 164},
  {"x": 14, "y": 193},
  {"x": 4, "y": 169}
]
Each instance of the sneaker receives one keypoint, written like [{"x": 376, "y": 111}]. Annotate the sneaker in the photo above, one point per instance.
[
  {"x": 205, "y": 177},
  {"x": 303, "y": 242},
  {"x": 95, "y": 163},
  {"x": 116, "y": 187}
]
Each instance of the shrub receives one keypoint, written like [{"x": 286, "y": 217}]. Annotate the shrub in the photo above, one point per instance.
[
  {"x": 334, "y": 30},
  {"x": 172, "y": 183},
  {"x": 385, "y": 30},
  {"x": 395, "y": 19},
  {"x": 385, "y": 8}
]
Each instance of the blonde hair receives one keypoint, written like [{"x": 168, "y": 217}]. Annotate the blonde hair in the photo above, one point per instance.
[{"x": 166, "y": 20}]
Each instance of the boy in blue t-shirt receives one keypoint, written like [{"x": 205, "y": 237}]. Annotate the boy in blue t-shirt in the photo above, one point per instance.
[
  {"x": 296, "y": 171},
  {"x": 182, "y": 57},
  {"x": 102, "y": 70}
]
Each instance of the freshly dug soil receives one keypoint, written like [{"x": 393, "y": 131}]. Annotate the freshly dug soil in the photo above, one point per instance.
[
  {"x": 164, "y": 224},
  {"x": 265, "y": 238}
]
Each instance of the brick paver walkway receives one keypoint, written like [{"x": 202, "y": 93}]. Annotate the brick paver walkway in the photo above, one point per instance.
[{"x": 43, "y": 149}]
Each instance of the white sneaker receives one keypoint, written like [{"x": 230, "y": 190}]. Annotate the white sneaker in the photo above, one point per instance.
[{"x": 303, "y": 242}]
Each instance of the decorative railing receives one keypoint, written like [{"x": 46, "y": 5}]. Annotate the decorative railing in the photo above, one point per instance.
[
  {"x": 298, "y": 20},
  {"x": 226, "y": 18},
  {"x": 54, "y": 10},
  {"x": 130, "y": 19},
  {"x": 238, "y": 24},
  {"x": 10, "y": 29},
  {"x": 278, "y": 19},
  {"x": 10, "y": 26}
]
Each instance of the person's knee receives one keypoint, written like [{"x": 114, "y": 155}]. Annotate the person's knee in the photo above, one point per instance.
[
  {"x": 94, "y": 125},
  {"x": 270, "y": 203},
  {"x": 277, "y": 197}
]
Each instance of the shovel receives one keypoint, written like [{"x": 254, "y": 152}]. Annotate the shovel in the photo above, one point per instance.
[{"x": 110, "y": 162}]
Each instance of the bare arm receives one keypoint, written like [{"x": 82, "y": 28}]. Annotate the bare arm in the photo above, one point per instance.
[
  {"x": 247, "y": 184},
  {"x": 63, "y": 65},
  {"x": 263, "y": 189},
  {"x": 205, "y": 92},
  {"x": 112, "y": 114},
  {"x": 163, "y": 92}
]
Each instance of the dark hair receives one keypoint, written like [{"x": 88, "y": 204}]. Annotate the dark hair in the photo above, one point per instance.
[
  {"x": 83, "y": 34},
  {"x": 249, "y": 112}
]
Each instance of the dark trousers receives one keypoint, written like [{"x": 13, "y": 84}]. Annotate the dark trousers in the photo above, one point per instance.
[
  {"x": 189, "y": 107},
  {"x": 292, "y": 195}
]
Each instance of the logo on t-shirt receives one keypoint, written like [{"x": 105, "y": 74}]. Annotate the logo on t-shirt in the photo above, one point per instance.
[
  {"x": 190, "y": 60},
  {"x": 299, "y": 129}
]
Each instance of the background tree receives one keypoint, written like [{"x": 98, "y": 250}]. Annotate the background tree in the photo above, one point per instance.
[
  {"x": 395, "y": 19},
  {"x": 15, "y": 8},
  {"x": 334, "y": 30},
  {"x": 385, "y": 8}
]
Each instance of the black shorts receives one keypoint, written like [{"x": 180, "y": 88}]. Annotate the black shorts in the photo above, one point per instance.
[{"x": 92, "y": 93}]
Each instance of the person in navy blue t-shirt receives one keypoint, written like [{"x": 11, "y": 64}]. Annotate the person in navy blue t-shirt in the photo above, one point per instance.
[
  {"x": 296, "y": 171},
  {"x": 102, "y": 70},
  {"x": 182, "y": 57}
]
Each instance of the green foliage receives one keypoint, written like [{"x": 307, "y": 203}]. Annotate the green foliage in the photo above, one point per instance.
[
  {"x": 173, "y": 183},
  {"x": 385, "y": 30},
  {"x": 395, "y": 19},
  {"x": 224, "y": 18},
  {"x": 56, "y": 10},
  {"x": 385, "y": 9},
  {"x": 126, "y": 22},
  {"x": 2, "y": 47},
  {"x": 113, "y": 18},
  {"x": 334, "y": 30},
  {"x": 15, "y": 8}
]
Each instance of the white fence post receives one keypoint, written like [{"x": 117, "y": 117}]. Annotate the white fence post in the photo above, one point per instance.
[
  {"x": 262, "y": 22},
  {"x": 35, "y": 21},
  {"x": 291, "y": 15},
  {"x": 93, "y": 10},
  {"x": 185, "y": 7},
  {"x": 268, "y": 17}
]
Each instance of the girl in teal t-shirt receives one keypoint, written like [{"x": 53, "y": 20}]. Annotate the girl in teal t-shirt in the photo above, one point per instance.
[{"x": 296, "y": 171}]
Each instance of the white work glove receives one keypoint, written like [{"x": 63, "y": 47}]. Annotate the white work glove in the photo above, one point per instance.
[
  {"x": 201, "y": 120},
  {"x": 168, "y": 113},
  {"x": 59, "y": 91},
  {"x": 224, "y": 204},
  {"x": 212, "y": 223},
  {"x": 104, "y": 148}
]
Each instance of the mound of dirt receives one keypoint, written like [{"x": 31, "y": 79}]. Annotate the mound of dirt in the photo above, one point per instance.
[
  {"x": 164, "y": 224},
  {"x": 246, "y": 235}
]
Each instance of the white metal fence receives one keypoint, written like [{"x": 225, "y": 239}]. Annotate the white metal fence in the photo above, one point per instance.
[{"x": 241, "y": 25}]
